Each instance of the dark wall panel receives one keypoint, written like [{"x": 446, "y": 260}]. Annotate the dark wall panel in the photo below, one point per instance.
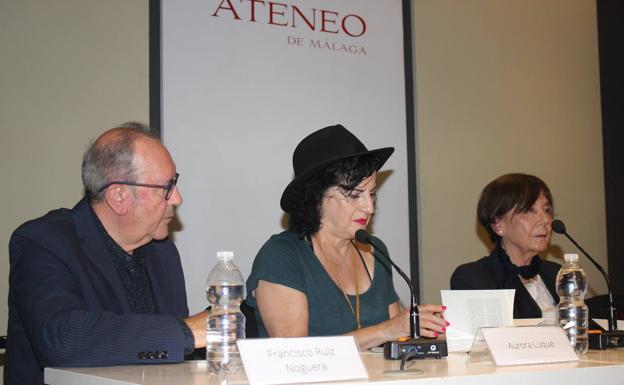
[{"x": 611, "y": 47}]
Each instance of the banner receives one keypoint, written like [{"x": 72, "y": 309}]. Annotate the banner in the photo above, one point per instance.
[{"x": 243, "y": 81}]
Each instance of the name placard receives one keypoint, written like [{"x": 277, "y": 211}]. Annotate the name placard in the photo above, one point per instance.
[
  {"x": 309, "y": 359},
  {"x": 528, "y": 345}
]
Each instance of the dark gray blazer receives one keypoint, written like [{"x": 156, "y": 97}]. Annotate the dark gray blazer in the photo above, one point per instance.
[{"x": 67, "y": 306}]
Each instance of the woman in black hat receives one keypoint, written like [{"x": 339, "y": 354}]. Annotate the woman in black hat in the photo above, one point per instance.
[{"x": 314, "y": 279}]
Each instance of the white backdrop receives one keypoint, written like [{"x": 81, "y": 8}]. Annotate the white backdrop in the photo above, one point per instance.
[{"x": 240, "y": 89}]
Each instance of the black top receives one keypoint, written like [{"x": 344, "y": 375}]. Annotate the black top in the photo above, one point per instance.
[
  {"x": 493, "y": 272},
  {"x": 136, "y": 281},
  {"x": 132, "y": 272}
]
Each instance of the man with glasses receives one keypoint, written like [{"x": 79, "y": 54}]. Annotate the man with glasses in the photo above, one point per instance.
[{"x": 102, "y": 284}]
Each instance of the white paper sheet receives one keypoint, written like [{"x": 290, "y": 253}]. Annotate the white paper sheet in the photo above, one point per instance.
[{"x": 468, "y": 310}]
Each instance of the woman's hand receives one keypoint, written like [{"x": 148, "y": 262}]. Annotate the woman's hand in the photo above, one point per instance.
[{"x": 432, "y": 322}]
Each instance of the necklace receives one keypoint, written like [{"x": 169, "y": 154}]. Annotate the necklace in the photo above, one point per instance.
[{"x": 332, "y": 273}]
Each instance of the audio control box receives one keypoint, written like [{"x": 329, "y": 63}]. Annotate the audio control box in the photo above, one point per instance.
[
  {"x": 417, "y": 348},
  {"x": 602, "y": 340}
]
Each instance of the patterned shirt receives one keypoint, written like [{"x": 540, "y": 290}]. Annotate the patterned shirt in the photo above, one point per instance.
[{"x": 135, "y": 280}]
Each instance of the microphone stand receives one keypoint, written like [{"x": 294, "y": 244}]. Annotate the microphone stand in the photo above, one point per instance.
[
  {"x": 612, "y": 317},
  {"x": 612, "y": 337},
  {"x": 415, "y": 347},
  {"x": 414, "y": 315}
]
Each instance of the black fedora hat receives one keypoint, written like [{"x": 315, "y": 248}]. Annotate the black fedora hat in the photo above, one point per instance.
[{"x": 323, "y": 147}]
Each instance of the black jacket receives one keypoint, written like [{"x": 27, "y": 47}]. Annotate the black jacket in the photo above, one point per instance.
[
  {"x": 490, "y": 273},
  {"x": 67, "y": 306}
]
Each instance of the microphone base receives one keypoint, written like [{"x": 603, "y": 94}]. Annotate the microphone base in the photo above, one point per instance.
[
  {"x": 606, "y": 339},
  {"x": 419, "y": 348}
]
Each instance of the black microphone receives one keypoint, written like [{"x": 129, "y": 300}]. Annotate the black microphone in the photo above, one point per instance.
[
  {"x": 415, "y": 347},
  {"x": 364, "y": 237},
  {"x": 559, "y": 227}
]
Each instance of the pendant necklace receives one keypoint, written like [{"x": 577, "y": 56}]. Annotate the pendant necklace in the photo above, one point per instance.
[{"x": 332, "y": 272}]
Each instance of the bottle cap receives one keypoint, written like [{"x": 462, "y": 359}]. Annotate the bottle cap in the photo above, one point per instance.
[
  {"x": 225, "y": 255},
  {"x": 571, "y": 257}
]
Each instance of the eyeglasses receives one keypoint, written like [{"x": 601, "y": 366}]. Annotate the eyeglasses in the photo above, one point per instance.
[{"x": 169, "y": 187}]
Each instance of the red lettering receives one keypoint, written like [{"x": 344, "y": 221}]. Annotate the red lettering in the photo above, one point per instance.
[
  {"x": 296, "y": 10},
  {"x": 325, "y": 21},
  {"x": 295, "y": 41},
  {"x": 272, "y": 12},
  {"x": 231, "y": 8},
  {"x": 253, "y": 8},
  {"x": 288, "y": 15},
  {"x": 346, "y": 30}
]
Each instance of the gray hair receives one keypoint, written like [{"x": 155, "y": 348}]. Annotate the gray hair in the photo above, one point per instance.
[{"x": 112, "y": 160}]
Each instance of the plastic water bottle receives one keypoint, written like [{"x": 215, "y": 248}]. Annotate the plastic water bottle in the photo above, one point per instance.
[
  {"x": 225, "y": 290},
  {"x": 572, "y": 314}
]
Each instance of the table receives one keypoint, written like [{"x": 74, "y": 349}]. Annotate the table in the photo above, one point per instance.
[{"x": 595, "y": 367}]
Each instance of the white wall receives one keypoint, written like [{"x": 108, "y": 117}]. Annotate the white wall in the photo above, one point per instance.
[{"x": 505, "y": 86}]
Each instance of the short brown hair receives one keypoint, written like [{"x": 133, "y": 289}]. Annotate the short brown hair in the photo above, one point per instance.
[{"x": 510, "y": 191}]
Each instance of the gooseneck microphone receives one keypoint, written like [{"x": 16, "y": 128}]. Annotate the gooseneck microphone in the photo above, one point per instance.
[
  {"x": 415, "y": 347},
  {"x": 559, "y": 227},
  {"x": 364, "y": 237}
]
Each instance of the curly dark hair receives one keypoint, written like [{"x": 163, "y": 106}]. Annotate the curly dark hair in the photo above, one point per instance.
[
  {"x": 304, "y": 204},
  {"x": 510, "y": 191}
]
